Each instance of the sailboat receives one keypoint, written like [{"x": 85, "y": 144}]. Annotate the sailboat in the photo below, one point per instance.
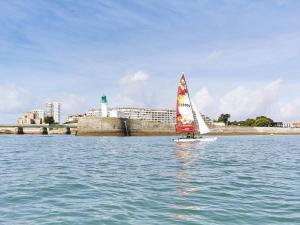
[{"x": 188, "y": 119}]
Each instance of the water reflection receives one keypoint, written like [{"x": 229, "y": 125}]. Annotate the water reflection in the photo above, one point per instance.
[{"x": 187, "y": 155}]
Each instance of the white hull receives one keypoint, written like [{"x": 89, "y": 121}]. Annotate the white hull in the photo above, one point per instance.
[{"x": 192, "y": 140}]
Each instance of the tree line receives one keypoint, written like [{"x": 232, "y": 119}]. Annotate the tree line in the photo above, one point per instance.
[{"x": 260, "y": 121}]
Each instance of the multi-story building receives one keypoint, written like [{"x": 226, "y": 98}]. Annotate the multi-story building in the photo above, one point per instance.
[
  {"x": 29, "y": 118},
  {"x": 53, "y": 109},
  {"x": 40, "y": 113},
  {"x": 116, "y": 114},
  {"x": 295, "y": 125},
  {"x": 159, "y": 115},
  {"x": 93, "y": 112}
]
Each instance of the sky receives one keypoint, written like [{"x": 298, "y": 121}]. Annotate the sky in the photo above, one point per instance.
[{"x": 239, "y": 57}]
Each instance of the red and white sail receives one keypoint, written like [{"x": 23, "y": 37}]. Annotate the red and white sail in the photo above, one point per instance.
[{"x": 185, "y": 121}]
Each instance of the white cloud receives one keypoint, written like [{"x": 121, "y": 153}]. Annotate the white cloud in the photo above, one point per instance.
[
  {"x": 72, "y": 104},
  {"x": 14, "y": 99},
  {"x": 133, "y": 90},
  {"x": 138, "y": 76},
  {"x": 244, "y": 102},
  {"x": 291, "y": 110},
  {"x": 204, "y": 101}
]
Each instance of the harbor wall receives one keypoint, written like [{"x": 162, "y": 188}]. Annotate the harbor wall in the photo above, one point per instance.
[
  {"x": 59, "y": 130},
  {"x": 107, "y": 126},
  {"x": 103, "y": 126},
  {"x": 146, "y": 128}
]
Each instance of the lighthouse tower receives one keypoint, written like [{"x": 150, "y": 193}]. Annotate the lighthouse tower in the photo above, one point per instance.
[{"x": 104, "y": 107}]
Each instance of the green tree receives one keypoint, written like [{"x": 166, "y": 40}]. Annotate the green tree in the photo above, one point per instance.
[
  {"x": 249, "y": 122},
  {"x": 224, "y": 118},
  {"x": 49, "y": 120},
  {"x": 235, "y": 123},
  {"x": 263, "y": 121}
]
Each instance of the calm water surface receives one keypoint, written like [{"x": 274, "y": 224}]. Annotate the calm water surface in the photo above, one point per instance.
[{"x": 149, "y": 180}]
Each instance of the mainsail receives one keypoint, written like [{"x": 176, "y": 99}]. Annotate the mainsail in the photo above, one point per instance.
[{"x": 185, "y": 121}]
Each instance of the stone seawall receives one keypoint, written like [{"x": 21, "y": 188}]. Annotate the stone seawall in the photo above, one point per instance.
[
  {"x": 106, "y": 126},
  {"x": 59, "y": 130},
  {"x": 140, "y": 127},
  {"x": 99, "y": 126}
]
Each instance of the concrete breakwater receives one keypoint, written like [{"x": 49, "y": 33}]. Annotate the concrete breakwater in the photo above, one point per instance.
[{"x": 107, "y": 126}]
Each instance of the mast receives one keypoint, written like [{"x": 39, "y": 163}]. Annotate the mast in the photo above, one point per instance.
[{"x": 195, "y": 121}]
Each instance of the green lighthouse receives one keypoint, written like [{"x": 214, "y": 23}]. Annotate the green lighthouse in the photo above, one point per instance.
[
  {"x": 104, "y": 107},
  {"x": 103, "y": 99}
]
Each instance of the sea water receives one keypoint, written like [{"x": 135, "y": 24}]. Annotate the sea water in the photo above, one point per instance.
[{"x": 149, "y": 180}]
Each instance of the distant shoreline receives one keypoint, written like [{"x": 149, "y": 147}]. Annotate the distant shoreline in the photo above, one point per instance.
[{"x": 236, "y": 130}]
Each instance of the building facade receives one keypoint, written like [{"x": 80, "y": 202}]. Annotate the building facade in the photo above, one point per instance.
[
  {"x": 29, "y": 118},
  {"x": 93, "y": 112},
  {"x": 295, "y": 125},
  {"x": 116, "y": 114},
  {"x": 40, "y": 113},
  {"x": 52, "y": 109},
  {"x": 159, "y": 115}
]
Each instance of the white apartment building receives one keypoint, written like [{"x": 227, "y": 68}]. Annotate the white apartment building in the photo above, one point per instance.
[
  {"x": 93, "y": 112},
  {"x": 53, "y": 109},
  {"x": 40, "y": 113},
  {"x": 116, "y": 114},
  {"x": 159, "y": 115}
]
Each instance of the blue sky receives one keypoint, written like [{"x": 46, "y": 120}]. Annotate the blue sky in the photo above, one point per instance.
[{"x": 239, "y": 56}]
